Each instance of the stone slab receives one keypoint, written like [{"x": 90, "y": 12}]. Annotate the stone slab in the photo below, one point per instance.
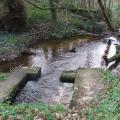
[
  {"x": 88, "y": 83},
  {"x": 68, "y": 76},
  {"x": 16, "y": 80}
]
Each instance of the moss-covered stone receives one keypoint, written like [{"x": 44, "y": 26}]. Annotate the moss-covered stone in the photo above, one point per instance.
[
  {"x": 88, "y": 83},
  {"x": 15, "y": 81}
]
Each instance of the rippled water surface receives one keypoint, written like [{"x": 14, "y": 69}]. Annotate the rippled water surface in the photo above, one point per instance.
[{"x": 54, "y": 57}]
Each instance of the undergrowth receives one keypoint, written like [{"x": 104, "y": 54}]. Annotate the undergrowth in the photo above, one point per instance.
[
  {"x": 11, "y": 45},
  {"x": 2, "y": 77},
  {"x": 29, "y": 111},
  {"x": 9, "y": 42}
]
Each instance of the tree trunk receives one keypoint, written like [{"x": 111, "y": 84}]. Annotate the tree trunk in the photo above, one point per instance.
[
  {"x": 15, "y": 20},
  {"x": 105, "y": 16},
  {"x": 53, "y": 10}
]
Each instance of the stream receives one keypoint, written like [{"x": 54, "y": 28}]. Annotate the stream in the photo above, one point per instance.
[{"x": 54, "y": 57}]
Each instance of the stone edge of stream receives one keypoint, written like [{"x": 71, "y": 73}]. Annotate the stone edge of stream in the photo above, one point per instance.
[{"x": 16, "y": 80}]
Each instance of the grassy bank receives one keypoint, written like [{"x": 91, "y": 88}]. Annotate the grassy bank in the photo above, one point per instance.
[
  {"x": 30, "y": 111},
  {"x": 10, "y": 46},
  {"x": 107, "y": 105}
]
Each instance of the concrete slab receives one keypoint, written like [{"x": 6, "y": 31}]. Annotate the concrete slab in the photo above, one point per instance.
[
  {"x": 88, "y": 83},
  {"x": 68, "y": 76},
  {"x": 15, "y": 81}
]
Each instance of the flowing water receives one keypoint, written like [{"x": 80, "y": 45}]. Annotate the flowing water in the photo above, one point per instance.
[{"x": 54, "y": 57}]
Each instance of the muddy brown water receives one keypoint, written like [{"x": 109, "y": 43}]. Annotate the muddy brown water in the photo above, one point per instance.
[{"x": 54, "y": 57}]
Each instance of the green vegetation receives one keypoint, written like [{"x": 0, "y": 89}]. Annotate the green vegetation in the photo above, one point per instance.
[
  {"x": 37, "y": 15},
  {"x": 62, "y": 31},
  {"x": 116, "y": 14},
  {"x": 107, "y": 105},
  {"x": 11, "y": 46},
  {"x": 29, "y": 111},
  {"x": 7, "y": 43},
  {"x": 67, "y": 24},
  {"x": 2, "y": 76}
]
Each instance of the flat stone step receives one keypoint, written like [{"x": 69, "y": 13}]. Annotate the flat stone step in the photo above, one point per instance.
[
  {"x": 88, "y": 83},
  {"x": 16, "y": 80}
]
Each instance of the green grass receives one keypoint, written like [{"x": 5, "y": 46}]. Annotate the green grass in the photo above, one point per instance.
[
  {"x": 29, "y": 111},
  {"x": 108, "y": 104}
]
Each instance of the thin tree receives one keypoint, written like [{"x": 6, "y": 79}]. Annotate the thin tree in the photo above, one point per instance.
[
  {"x": 15, "y": 20},
  {"x": 52, "y": 10},
  {"x": 105, "y": 16}
]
